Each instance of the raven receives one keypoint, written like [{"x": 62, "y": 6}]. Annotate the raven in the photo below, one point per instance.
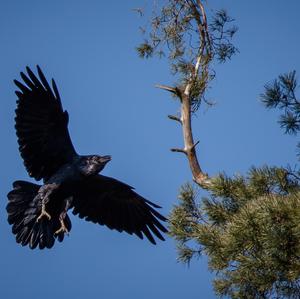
[{"x": 38, "y": 213}]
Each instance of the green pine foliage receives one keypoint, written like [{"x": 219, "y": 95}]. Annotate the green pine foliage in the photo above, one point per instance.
[
  {"x": 281, "y": 94},
  {"x": 250, "y": 230}
]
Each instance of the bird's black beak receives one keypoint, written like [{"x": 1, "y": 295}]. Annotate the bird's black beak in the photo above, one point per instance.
[{"x": 105, "y": 159}]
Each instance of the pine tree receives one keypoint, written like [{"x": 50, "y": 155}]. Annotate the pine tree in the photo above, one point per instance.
[{"x": 248, "y": 226}]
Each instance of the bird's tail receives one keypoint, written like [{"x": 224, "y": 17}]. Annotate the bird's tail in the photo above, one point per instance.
[{"x": 23, "y": 212}]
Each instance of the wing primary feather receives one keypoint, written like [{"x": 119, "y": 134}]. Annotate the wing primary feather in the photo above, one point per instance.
[
  {"x": 44, "y": 80},
  {"x": 152, "y": 203},
  {"x": 151, "y": 215},
  {"x": 139, "y": 234},
  {"x": 159, "y": 225},
  {"x": 19, "y": 94},
  {"x": 156, "y": 214},
  {"x": 22, "y": 87},
  {"x": 155, "y": 231},
  {"x": 147, "y": 233},
  {"x": 27, "y": 81},
  {"x": 34, "y": 79},
  {"x": 55, "y": 90}
]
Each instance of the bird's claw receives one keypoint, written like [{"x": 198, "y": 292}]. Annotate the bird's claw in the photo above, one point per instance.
[
  {"x": 62, "y": 229},
  {"x": 44, "y": 214}
]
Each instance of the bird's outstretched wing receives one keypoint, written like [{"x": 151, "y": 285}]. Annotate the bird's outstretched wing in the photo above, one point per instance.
[
  {"x": 109, "y": 202},
  {"x": 41, "y": 126}
]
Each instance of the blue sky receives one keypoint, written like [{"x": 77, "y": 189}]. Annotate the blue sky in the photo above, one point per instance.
[{"x": 88, "y": 47}]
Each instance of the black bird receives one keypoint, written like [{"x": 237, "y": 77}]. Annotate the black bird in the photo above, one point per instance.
[{"x": 38, "y": 213}]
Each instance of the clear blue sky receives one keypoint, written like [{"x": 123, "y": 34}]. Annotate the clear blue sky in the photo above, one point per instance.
[{"x": 88, "y": 47}]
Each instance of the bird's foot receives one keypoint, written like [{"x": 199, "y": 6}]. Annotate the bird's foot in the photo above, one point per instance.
[
  {"x": 62, "y": 229},
  {"x": 44, "y": 214}
]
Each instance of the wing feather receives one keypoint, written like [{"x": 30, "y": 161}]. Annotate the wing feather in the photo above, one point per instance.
[
  {"x": 109, "y": 202},
  {"x": 41, "y": 126}
]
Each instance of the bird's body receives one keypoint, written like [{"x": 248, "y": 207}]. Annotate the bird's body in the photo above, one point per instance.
[{"x": 38, "y": 213}]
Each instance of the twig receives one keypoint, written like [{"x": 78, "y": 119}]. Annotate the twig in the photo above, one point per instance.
[
  {"x": 194, "y": 146},
  {"x": 167, "y": 88},
  {"x": 179, "y": 150},
  {"x": 173, "y": 117}
]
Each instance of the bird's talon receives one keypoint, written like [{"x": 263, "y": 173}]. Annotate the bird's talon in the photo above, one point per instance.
[
  {"x": 62, "y": 229},
  {"x": 44, "y": 213}
]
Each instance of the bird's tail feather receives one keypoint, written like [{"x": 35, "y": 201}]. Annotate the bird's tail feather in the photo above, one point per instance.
[{"x": 23, "y": 212}]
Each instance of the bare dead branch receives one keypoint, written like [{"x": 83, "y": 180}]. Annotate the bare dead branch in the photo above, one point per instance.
[
  {"x": 167, "y": 88},
  {"x": 178, "y": 150},
  {"x": 173, "y": 117},
  {"x": 198, "y": 175}
]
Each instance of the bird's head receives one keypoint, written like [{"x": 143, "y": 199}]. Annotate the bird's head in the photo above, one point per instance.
[{"x": 91, "y": 165}]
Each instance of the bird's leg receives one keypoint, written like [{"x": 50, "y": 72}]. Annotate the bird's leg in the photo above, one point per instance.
[
  {"x": 62, "y": 216},
  {"x": 44, "y": 194}
]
